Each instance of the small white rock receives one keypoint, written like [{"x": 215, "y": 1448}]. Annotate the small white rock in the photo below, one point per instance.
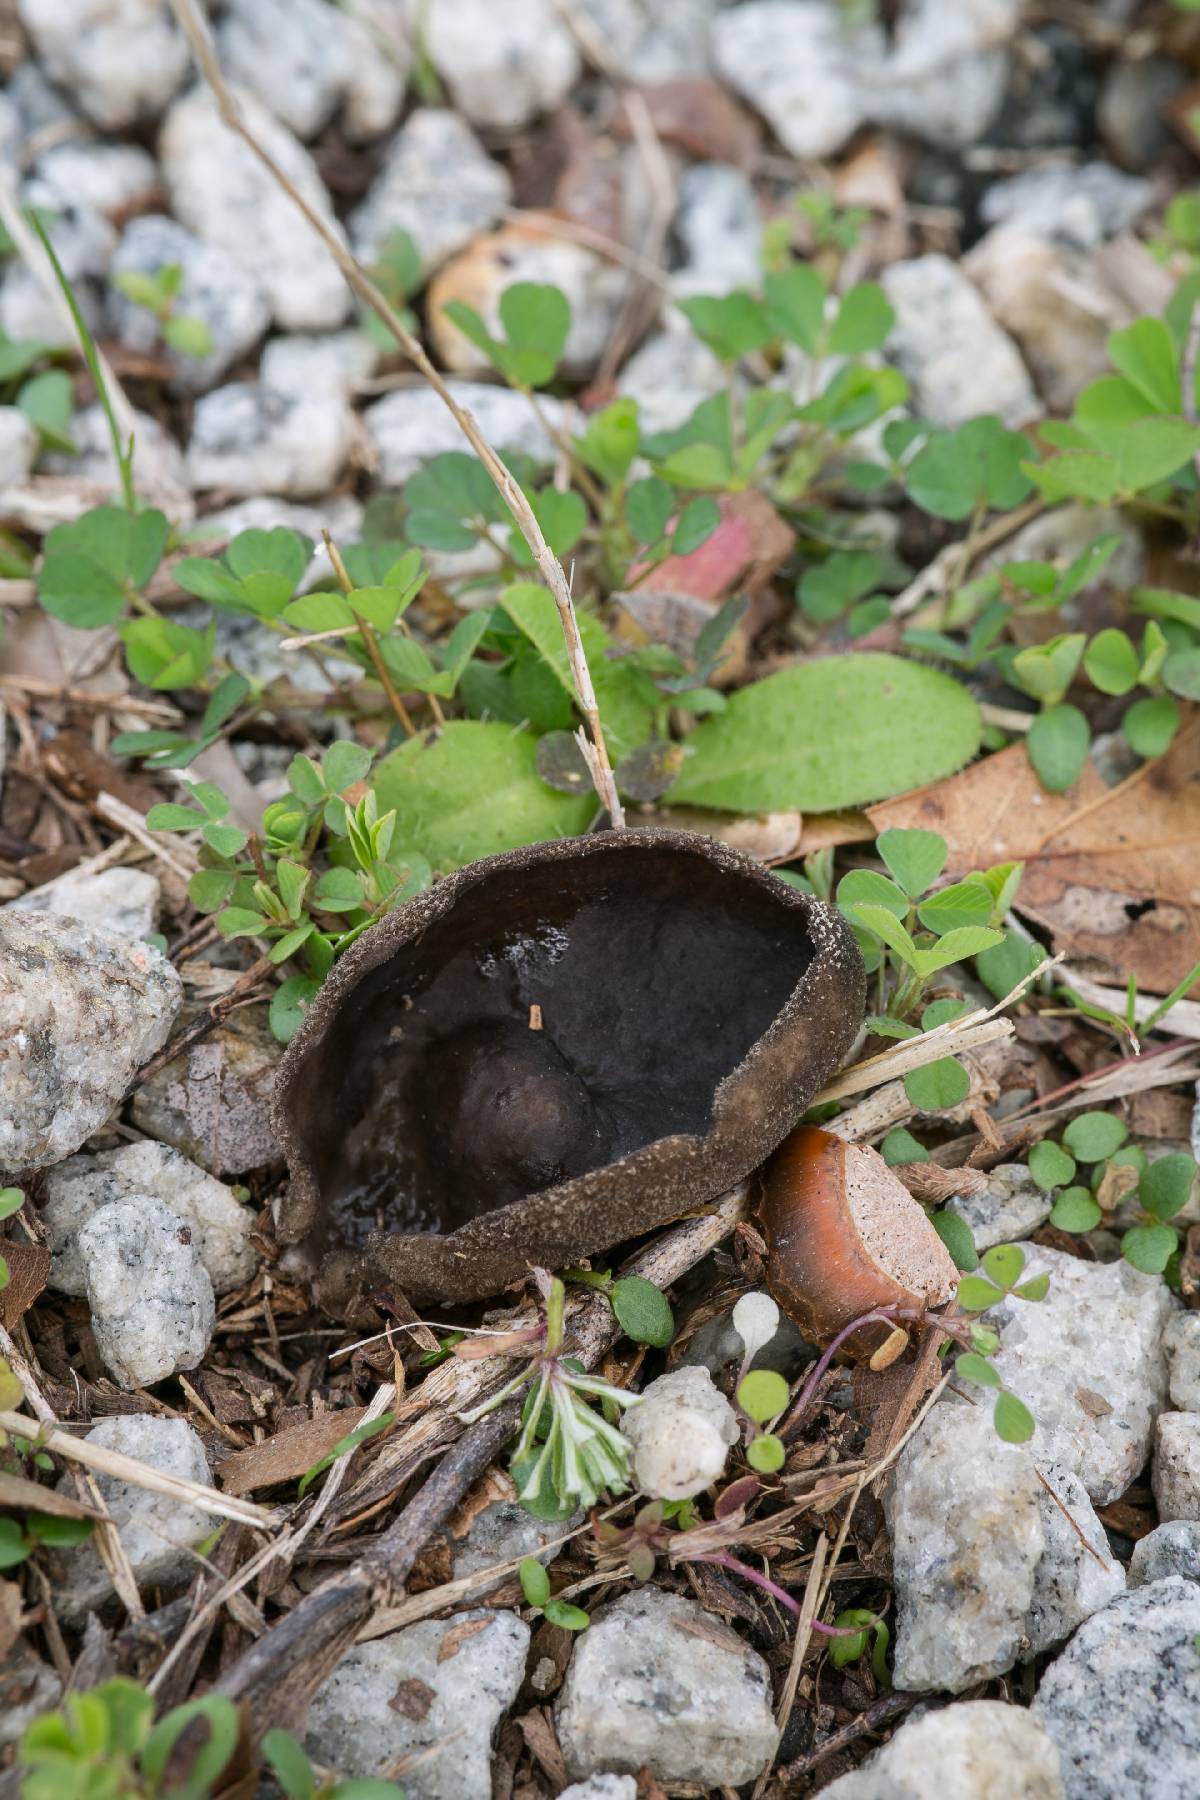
[
  {"x": 720, "y": 230},
  {"x": 291, "y": 54},
  {"x": 957, "y": 359},
  {"x": 681, "y": 1430},
  {"x": 669, "y": 375},
  {"x": 82, "y": 1011},
  {"x": 1054, "y": 302},
  {"x": 968, "y": 1515},
  {"x": 121, "y": 60},
  {"x": 1122, "y": 1701},
  {"x": 106, "y": 177},
  {"x": 120, "y": 900},
  {"x": 411, "y": 425},
  {"x": 1171, "y": 1549},
  {"x": 221, "y": 191},
  {"x": 157, "y": 1531},
  {"x": 1075, "y": 206},
  {"x": 150, "y": 1295},
  {"x": 654, "y": 40},
  {"x": 18, "y": 445},
  {"x": 1181, "y": 1341},
  {"x": 602, "y": 1787},
  {"x": 973, "y": 1750},
  {"x": 78, "y": 1187},
  {"x": 504, "y": 61},
  {"x": 434, "y": 1693},
  {"x": 157, "y": 459},
  {"x": 247, "y": 438},
  {"x": 334, "y": 360},
  {"x": 215, "y": 288},
  {"x": 656, "y": 1682},
  {"x": 1010, "y": 1207},
  {"x": 437, "y": 183},
  {"x": 1177, "y": 1466},
  {"x": 1088, "y": 1362}
]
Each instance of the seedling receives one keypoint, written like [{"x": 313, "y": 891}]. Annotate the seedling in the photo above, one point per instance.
[
  {"x": 567, "y": 1454},
  {"x": 535, "y": 1585},
  {"x": 159, "y": 294},
  {"x": 1120, "y": 1175},
  {"x": 104, "y": 1743}
]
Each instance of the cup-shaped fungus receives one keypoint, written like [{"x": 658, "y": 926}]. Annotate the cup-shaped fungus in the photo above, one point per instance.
[
  {"x": 552, "y": 1051},
  {"x": 845, "y": 1236}
]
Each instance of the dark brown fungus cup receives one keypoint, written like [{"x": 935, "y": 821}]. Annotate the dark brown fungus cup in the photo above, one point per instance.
[
  {"x": 844, "y": 1235},
  {"x": 552, "y": 1051}
]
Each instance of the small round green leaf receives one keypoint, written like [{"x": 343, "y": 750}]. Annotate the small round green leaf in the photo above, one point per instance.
[
  {"x": 762, "y": 1394},
  {"x": 641, "y": 1311},
  {"x": 1003, "y": 1264},
  {"x": 562, "y": 1613},
  {"x": 1149, "y": 1247},
  {"x": 1058, "y": 743},
  {"x": 1094, "y": 1135},
  {"x": 1012, "y": 1419},
  {"x": 900, "y": 1146},
  {"x": 535, "y": 1583},
  {"x": 977, "y": 1369},
  {"x": 1050, "y": 1166},
  {"x": 766, "y": 1453},
  {"x": 1167, "y": 1183},
  {"x": 938, "y": 1085},
  {"x": 1075, "y": 1210},
  {"x": 955, "y": 1233},
  {"x": 1149, "y": 725},
  {"x": 1111, "y": 662},
  {"x": 976, "y": 1295},
  {"x": 915, "y": 858}
]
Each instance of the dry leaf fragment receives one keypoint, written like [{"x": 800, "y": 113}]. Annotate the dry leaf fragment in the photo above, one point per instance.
[
  {"x": 289, "y": 1454},
  {"x": 413, "y": 1699},
  {"x": 1112, "y": 873},
  {"x": 28, "y": 1273},
  {"x": 458, "y": 1634}
]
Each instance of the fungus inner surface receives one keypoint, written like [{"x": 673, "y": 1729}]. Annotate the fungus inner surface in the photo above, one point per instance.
[{"x": 554, "y": 1020}]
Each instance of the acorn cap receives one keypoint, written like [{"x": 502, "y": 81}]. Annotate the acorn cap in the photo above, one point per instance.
[
  {"x": 844, "y": 1235},
  {"x": 552, "y": 1051}
]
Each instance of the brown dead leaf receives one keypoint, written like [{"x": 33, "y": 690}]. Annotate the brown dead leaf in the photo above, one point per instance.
[
  {"x": 28, "y": 1273},
  {"x": 771, "y": 837},
  {"x": 701, "y": 118},
  {"x": 1094, "y": 1404},
  {"x": 289, "y": 1454},
  {"x": 711, "y": 1630},
  {"x": 10, "y": 1619},
  {"x": 457, "y": 1636},
  {"x": 1159, "y": 1113},
  {"x": 413, "y": 1699},
  {"x": 826, "y": 831},
  {"x": 1111, "y": 873},
  {"x": 538, "y": 1733},
  {"x": 1117, "y": 1181},
  {"x": 493, "y": 1487},
  {"x": 30, "y": 1496}
]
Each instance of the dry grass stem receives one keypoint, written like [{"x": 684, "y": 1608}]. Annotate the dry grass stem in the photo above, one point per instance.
[
  {"x": 127, "y": 1468},
  {"x": 196, "y": 31}
]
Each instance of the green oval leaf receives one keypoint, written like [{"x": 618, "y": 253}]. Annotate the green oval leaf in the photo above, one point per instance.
[
  {"x": 837, "y": 732},
  {"x": 642, "y": 1312},
  {"x": 762, "y": 1394},
  {"x": 1094, "y": 1135},
  {"x": 938, "y": 1085},
  {"x": 1012, "y": 1418}
]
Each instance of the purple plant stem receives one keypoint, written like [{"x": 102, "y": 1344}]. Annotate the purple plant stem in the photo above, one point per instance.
[
  {"x": 881, "y": 1315},
  {"x": 723, "y": 1560}
]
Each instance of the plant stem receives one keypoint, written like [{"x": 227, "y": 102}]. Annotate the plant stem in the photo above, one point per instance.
[
  {"x": 880, "y": 1315},
  {"x": 724, "y": 1560},
  {"x": 123, "y": 457},
  {"x": 195, "y": 29}
]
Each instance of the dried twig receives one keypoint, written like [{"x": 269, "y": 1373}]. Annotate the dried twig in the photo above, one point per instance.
[
  {"x": 127, "y": 1468},
  {"x": 196, "y": 31}
]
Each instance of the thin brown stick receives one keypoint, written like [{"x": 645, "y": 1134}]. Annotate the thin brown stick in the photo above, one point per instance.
[
  {"x": 196, "y": 31},
  {"x": 207, "y": 1021},
  {"x": 881, "y": 1713}
]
